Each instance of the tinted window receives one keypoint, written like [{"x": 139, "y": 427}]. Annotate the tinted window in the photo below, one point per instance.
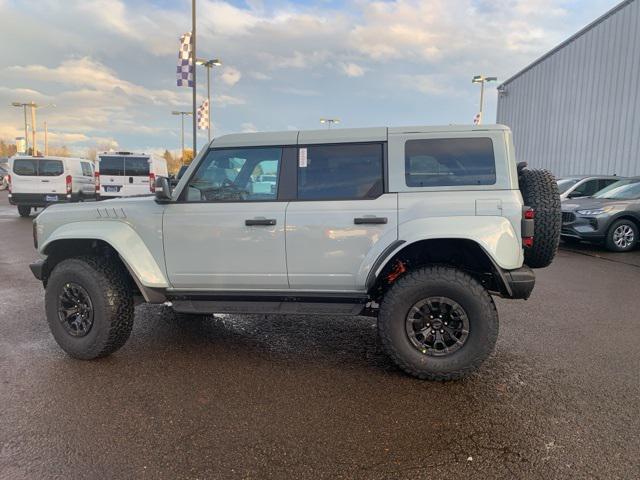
[
  {"x": 136, "y": 166},
  {"x": 340, "y": 172},
  {"x": 25, "y": 167},
  {"x": 565, "y": 183},
  {"x": 232, "y": 175},
  {"x": 449, "y": 162},
  {"x": 50, "y": 168},
  {"x": 111, "y": 166},
  {"x": 622, "y": 190},
  {"x": 87, "y": 171}
]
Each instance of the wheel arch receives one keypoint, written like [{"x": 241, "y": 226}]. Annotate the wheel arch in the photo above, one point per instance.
[{"x": 464, "y": 253}]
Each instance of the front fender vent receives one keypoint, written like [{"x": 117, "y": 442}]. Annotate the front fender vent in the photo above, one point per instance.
[{"x": 111, "y": 213}]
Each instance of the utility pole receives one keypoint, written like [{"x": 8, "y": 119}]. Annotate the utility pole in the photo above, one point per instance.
[
  {"x": 34, "y": 145},
  {"x": 46, "y": 140},
  {"x": 209, "y": 64},
  {"x": 182, "y": 114},
  {"x": 481, "y": 79},
  {"x": 193, "y": 59},
  {"x": 32, "y": 106}
]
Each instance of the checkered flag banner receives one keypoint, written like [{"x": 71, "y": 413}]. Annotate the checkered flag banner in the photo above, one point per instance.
[
  {"x": 203, "y": 115},
  {"x": 184, "y": 72}
]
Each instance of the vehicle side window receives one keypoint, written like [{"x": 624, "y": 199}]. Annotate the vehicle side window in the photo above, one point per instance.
[
  {"x": 25, "y": 167},
  {"x": 112, "y": 166},
  {"x": 236, "y": 175},
  {"x": 340, "y": 172},
  {"x": 443, "y": 162},
  {"x": 136, "y": 166},
  {"x": 50, "y": 168},
  {"x": 87, "y": 171},
  {"x": 587, "y": 189},
  {"x": 605, "y": 183}
]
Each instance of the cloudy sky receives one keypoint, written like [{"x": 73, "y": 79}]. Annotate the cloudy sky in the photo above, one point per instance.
[{"x": 109, "y": 65}]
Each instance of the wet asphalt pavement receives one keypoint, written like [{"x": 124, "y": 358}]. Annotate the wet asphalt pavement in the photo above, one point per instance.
[{"x": 314, "y": 397}]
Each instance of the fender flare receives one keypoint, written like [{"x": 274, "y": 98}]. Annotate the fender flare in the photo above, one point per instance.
[{"x": 123, "y": 239}]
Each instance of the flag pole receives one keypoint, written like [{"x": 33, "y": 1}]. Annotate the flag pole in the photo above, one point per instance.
[{"x": 193, "y": 59}]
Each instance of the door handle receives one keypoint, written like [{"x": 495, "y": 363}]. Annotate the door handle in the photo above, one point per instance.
[
  {"x": 370, "y": 220},
  {"x": 44, "y": 181},
  {"x": 259, "y": 221}
]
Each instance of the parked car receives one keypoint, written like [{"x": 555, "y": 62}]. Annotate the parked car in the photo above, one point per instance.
[
  {"x": 124, "y": 174},
  {"x": 418, "y": 226},
  {"x": 612, "y": 216},
  {"x": 40, "y": 181},
  {"x": 584, "y": 186},
  {"x": 4, "y": 177}
]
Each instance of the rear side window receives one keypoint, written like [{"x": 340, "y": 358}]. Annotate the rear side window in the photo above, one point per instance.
[
  {"x": 444, "y": 162},
  {"x": 87, "y": 171},
  {"x": 112, "y": 166},
  {"x": 25, "y": 167},
  {"x": 340, "y": 172},
  {"x": 136, "y": 166},
  {"x": 33, "y": 167},
  {"x": 50, "y": 168}
]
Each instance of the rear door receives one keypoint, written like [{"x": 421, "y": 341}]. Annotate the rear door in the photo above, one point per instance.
[
  {"x": 342, "y": 219},
  {"x": 43, "y": 176},
  {"x": 136, "y": 175},
  {"x": 111, "y": 169}
]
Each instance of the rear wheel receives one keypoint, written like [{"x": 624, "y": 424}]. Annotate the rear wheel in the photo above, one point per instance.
[
  {"x": 622, "y": 236},
  {"x": 438, "y": 323},
  {"x": 540, "y": 192},
  {"x": 24, "y": 210},
  {"x": 89, "y": 306}
]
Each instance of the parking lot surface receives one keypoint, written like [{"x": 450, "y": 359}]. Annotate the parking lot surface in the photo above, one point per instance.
[{"x": 314, "y": 397}]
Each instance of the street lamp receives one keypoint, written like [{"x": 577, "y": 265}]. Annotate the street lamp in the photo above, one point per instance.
[
  {"x": 209, "y": 64},
  {"x": 182, "y": 114},
  {"x": 481, "y": 79},
  {"x": 330, "y": 121},
  {"x": 32, "y": 106}
]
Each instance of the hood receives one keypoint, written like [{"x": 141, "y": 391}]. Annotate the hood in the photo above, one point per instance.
[{"x": 590, "y": 203}]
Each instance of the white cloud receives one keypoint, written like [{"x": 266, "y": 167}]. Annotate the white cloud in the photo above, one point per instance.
[
  {"x": 230, "y": 75},
  {"x": 352, "y": 70},
  {"x": 224, "y": 100},
  {"x": 248, "y": 127}
]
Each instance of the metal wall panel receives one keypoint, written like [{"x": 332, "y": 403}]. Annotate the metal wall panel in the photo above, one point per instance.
[{"x": 577, "y": 109}]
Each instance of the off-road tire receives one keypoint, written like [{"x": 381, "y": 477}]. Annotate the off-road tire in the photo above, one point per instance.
[
  {"x": 438, "y": 281},
  {"x": 24, "y": 210},
  {"x": 540, "y": 192},
  {"x": 110, "y": 291},
  {"x": 609, "y": 242}
]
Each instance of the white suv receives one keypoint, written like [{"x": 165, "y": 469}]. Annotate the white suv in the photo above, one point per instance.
[{"x": 418, "y": 226}]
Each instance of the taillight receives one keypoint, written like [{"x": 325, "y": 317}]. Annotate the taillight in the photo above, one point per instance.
[
  {"x": 528, "y": 216},
  {"x": 152, "y": 182},
  {"x": 68, "y": 180},
  {"x": 97, "y": 178},
  {"x": 9, "y": 183}
]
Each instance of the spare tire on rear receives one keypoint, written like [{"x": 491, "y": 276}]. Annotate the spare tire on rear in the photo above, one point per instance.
[{"x": 540, "y": 192}]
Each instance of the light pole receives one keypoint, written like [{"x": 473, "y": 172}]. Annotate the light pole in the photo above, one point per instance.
[
  {"x": 481, "y": 79},
  {"x": 33, "y": 106},
  {"x": 193, "y": 92},
  {"x": 182, "y": 114},
  {"x": 209, "y": 64},
  {"x": 330, "y": 121}
]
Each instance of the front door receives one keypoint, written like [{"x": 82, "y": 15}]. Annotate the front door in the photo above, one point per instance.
[
  {"x": 342, "y": 219},
  {"x": 226, "y": 232}
]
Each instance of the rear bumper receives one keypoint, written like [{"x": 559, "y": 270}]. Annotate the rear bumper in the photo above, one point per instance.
[
  {"x": 36, "y": 268},
  {"x": 519, "y": 283},
  {"x": 40, "y": 199}
]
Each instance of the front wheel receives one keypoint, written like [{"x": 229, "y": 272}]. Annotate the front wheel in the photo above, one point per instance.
[
  {"x": 438, "y": 323},
  {"x": 89, "y": 306},
  {"x": 24, "y": 210},
  {"x": 622, "y": 236}
]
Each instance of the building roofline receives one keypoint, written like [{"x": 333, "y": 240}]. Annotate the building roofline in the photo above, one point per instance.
[{"x": 569, "y": 40}]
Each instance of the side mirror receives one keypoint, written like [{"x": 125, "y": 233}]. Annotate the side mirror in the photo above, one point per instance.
[
  {"x": 163, "y": 190},
  {"x": 575, "y": 194}
]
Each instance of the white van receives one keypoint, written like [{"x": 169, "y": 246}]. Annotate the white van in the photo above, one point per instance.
[
  {"x": 39, "y": 181},
  {"x": 123, "y": 174}
]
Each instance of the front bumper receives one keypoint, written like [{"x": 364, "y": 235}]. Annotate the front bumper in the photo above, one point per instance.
[{"x": 583, "y": 227}]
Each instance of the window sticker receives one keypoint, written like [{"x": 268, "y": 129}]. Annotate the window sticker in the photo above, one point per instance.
[{"x": 302, "y": 158}]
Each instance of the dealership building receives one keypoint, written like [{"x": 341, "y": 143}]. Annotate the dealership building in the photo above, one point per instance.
[{"x": 576, "y": 110}]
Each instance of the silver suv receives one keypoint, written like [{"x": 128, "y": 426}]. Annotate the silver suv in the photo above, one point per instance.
[{"x": 418, "y": 226}]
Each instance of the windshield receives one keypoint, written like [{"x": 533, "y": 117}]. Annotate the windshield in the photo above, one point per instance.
[
  {"x": 565, "y": 184},
  {"x": 621, "y": 190}
]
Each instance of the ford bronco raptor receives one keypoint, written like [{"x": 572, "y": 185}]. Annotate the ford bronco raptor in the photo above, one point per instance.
[{"x": 419, "y": 226}]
